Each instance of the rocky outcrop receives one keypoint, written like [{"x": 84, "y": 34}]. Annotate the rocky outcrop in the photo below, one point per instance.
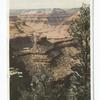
[{"x": 50, "y": 55}]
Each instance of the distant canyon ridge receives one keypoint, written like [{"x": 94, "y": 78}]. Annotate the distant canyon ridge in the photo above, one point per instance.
[{"x": 50, "y": 23}]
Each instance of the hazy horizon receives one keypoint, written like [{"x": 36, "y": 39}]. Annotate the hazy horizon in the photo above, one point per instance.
[
  {"x": 42, "y": 8},
  {"x": 49, "y": 4}
]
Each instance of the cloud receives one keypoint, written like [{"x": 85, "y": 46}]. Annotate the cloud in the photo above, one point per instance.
[{"x": 29, "y": 4}]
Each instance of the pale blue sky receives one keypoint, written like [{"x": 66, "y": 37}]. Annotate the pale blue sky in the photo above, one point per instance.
[{"x": 31, "y": 4}]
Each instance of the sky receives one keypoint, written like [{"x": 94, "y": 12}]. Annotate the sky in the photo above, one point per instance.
[{"x": 34, "y": 4}]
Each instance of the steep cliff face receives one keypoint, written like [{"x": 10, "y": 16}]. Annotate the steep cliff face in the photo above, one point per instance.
[{"x": 54, "y": 56}]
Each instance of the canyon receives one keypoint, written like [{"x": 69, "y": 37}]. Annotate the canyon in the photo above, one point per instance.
[{"x": 40, "y": 40}]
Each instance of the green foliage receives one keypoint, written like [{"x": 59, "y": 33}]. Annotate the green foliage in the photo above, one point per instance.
[{"x": 80, "y": 30}]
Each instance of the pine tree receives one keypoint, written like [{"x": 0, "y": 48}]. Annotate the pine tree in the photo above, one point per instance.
[{"x": 80, "y": 30}]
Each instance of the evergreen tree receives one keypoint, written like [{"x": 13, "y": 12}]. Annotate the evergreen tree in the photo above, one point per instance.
[{"x": 80, "y": 30}]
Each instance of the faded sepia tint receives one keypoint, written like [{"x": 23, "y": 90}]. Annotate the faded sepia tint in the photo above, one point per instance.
[{"x": 49, "y": 49}]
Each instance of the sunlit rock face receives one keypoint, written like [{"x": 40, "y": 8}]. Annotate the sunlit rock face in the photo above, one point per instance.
[{"x": 50, "y": 23}]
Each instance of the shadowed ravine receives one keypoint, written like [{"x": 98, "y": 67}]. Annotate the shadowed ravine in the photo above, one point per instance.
[{"x": 42, "y": 56}]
